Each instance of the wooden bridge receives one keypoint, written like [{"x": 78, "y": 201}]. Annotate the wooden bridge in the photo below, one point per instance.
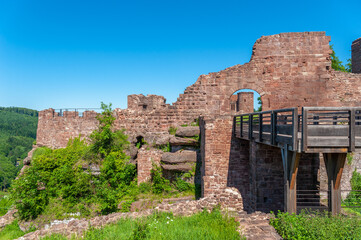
[{"x": 328, "y": 130}]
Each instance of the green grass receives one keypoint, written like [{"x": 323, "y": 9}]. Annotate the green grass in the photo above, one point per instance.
[
  {"x": 316, "y": 226},
  {"x": 11, "y": 231},
  {"x": 165, "y": 226},
  {"x": 5, "y": 203},
  {"x": 172, "y": 130}
]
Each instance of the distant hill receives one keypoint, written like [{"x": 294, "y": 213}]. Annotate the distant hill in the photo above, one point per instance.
[{"x": 17, "y": 134}]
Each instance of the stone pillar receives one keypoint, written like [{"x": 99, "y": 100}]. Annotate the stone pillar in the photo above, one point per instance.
[
  {"x": 215, "y": 149},
  {"x": 145, "y": 159},
  {"x": 356, "y": 56}
]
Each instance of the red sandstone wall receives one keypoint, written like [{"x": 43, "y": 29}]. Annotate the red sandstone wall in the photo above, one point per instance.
[
  {"x": 145, "y": 160},
  {"x": 55, "y": 131},
  {"x": 216, "y": 153}
]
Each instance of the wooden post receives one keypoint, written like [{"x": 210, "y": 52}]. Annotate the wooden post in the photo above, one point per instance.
[
  {"x": 260, "y": 127},
  {"x": 290, "y": 167},
  {"x": 250, "y": 127},
  {"x": 334, "y": 163}
]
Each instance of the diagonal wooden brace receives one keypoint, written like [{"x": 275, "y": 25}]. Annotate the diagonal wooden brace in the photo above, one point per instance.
[{"x": 290, "y": 161}]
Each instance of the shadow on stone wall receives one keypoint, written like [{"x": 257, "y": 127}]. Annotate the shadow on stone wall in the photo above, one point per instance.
[{"x": 256, "y": 170}]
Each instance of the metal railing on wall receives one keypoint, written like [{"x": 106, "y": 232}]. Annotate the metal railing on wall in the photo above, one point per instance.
[{"x": 80, "y": 111}]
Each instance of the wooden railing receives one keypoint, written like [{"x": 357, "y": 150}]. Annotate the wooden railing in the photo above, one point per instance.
[
  {"x": 327, "y": 129},
  {"x": 276, "y": 127}
]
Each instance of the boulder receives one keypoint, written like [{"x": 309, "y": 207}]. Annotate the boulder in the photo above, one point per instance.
[
  {"x": 177, "y": 141},
  {"x": 157, "y": 139},
  {"x": 183, "y": 167},
  {"x": 179, "y": 157},
  {"x": 187, "y": 131}
]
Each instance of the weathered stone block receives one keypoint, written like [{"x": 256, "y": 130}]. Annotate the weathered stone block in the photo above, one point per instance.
[
  {"x": 189, "y": 131},
  {"x": 179, "y": 157}
]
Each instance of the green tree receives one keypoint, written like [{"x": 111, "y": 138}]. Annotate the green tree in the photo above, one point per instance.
[
  {"x": 104, "y": 139},
  {"x": 336, "y": 63}
]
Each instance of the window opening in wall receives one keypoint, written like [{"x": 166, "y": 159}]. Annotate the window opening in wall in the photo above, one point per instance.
[
  {"x": 246, "y": 100},
  {"x": 144, "y": 107}
]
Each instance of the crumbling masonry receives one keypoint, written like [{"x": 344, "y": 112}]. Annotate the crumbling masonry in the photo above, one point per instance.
[{"x": 287, "y": 70}]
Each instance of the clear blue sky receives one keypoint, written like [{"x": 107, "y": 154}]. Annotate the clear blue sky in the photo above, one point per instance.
[{"x": 78, "y": 53}]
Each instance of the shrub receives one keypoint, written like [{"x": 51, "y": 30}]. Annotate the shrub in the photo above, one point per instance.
[
  {"x": 316, "y": 226},
  {"x": 159, "y": 183},
  {"x": 145, "y": 187},
  {"x": 29, "y": 201},
  {"x": 126, "y": 206},
  {"x": 182, "y": 185}
]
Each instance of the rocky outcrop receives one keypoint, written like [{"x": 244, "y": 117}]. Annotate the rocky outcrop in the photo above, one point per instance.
[
  {"x": 7, "y": 218},
  {"x": 187, "y": 131}
]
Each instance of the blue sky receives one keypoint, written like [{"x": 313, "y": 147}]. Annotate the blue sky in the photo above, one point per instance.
[{"x": 64, "y": 54}]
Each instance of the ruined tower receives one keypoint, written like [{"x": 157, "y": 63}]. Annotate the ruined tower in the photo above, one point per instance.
[{"x": 356, "y": 56}]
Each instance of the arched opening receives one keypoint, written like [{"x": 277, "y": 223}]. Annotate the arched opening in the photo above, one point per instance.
[{"x": 246, "y": 101}]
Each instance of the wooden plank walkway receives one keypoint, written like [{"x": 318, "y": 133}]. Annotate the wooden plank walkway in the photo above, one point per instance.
[{"x": 326, "y": 129}]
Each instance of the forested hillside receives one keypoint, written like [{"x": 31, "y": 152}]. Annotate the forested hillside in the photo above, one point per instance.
[{"x": 17, "y": 134}]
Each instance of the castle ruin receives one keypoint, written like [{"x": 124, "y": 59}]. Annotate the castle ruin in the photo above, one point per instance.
[{"x": 287, "y": 70}]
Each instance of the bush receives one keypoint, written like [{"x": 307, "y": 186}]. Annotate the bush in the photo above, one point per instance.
[
  {"x": 145, "y": 187},
  {"x": 182, "y": 185},
  {"x": 316, "y": 226},
  {"x": 29, "y": 201},
  {"x": 159, "y": 183}
]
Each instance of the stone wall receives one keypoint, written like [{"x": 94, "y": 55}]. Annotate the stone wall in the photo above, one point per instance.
[
  {"x": 146, "y": 158},
  {"x": 55, "y": 131},
  {"x": 356, "y": 56}
]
